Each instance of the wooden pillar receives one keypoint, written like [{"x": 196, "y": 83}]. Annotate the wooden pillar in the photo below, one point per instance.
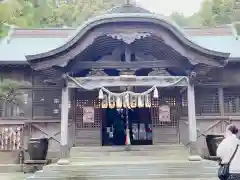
[
  {"x": 221, "y": 100},
  {"x": 191, "y": 114},
  {"x": 64, "y": 122},
  {"x": 127, "y": 54},
  {"x": 192, "y": 124}
]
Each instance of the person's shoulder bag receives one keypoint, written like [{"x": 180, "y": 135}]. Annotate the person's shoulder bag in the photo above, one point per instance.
[{"x": 223, "y": 171}]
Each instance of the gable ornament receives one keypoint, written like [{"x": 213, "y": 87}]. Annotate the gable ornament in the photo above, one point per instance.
[
  {"x": 96, "y": 72},
  {"x": 158, "y": 72},
  {"x": 129, "y": 38}
]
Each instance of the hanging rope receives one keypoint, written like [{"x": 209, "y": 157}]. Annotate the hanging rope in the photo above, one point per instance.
[{"x": 128, "y": 92}]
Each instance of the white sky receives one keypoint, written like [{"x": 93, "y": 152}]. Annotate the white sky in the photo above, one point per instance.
[{"x": 166, "y": 7}]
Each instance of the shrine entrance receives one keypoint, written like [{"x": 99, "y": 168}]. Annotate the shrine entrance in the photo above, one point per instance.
[
  {"x": 103, "y": 115},
  {"x": 114, "y": 126}
]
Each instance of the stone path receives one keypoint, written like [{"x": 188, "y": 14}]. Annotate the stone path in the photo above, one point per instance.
[{"x": 13, "y": 176}]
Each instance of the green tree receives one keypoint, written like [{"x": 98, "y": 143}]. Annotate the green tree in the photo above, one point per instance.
[
  {"x": 212, "y": 13},
  {"x": 10, "y": 93},
  {"x": 183, "y": 21},
  {"x": 216, "y": 12},
  {"x": 45, "y": 13},
  {"x": 180, "y": 19}
]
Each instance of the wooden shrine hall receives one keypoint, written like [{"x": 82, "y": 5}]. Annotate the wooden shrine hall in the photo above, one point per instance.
[
  {"x": 124, "y": 50},
  {"x": 131, "y": 73}
]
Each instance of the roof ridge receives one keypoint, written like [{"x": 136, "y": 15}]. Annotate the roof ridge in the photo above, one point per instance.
[
  {"x": 227, "y": 29},
  {"x": 48, "y": 28},
  {"x": 74, "y": 28},
  {"x": 207, "y": 27}
]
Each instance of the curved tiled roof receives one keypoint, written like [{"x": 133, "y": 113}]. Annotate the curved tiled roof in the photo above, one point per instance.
[
  {"x": 20, "y": 43},
  {"x": 126, "y": 16}
]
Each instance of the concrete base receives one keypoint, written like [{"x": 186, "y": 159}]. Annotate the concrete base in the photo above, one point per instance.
[
  {"x": 194, "y": 158},
  {"x": 63, "y": 162}
]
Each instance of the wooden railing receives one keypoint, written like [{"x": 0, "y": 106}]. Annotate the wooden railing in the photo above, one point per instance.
[{"x": 11, "y": 137}]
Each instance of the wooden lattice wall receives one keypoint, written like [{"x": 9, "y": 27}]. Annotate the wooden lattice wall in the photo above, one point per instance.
[
  {"x": 174, "y": 107},
  {"x": 46, "y": 103},
  {"x": 166, "y": 132},
  {"x": 87, "y": 133},
  {"x": 232, "y": 100},
  {"x": 207, "y": 101}
]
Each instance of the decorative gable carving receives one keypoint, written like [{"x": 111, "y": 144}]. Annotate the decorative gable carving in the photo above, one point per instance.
[
  {"x": 129, "y": 38},
  {"x": 127, "y": 72},
  {"x": 96, "y": 72},
  {"x": 159, "y": 72}
]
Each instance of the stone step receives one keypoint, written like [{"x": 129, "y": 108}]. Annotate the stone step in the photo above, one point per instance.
[
  {"x": 134, "y": 164},
  {"x": 13, "y": 176},
  {"x": 126, "y": 158},
  {"x": 132, "y": 171},
  {"x": 122, "y": 177},
  {"x": 8, "y": 168},
  {"x": 78, "y": 155},
  {"x": 122, "y": 148},
  {"x": 131, "y": 153},
  {"x": 167, "y": 162}
]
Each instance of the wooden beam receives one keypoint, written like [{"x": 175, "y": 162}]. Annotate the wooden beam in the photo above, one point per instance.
[
  {"x": 218, "y": 84},
  {"x": 126, "y": 65},
  {"x": 112, "y": 81}
]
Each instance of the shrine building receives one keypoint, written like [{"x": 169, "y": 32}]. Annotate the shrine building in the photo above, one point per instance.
[{"x": 126, "y": 71}]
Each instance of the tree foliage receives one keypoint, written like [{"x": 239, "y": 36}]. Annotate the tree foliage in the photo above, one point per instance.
[
  {"x": 212, "y": 13},
  {"x": 46, "y": 13},
  {"x": 10, "y": 93}
]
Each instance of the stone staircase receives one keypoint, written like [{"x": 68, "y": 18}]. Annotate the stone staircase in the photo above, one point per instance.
[{"x": 166, "y": 162}]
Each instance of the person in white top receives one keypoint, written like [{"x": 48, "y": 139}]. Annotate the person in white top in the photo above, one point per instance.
[{"x": 226, "y": 149}]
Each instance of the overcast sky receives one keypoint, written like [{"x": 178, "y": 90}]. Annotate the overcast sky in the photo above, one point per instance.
[{"x": 187, "y": 7}]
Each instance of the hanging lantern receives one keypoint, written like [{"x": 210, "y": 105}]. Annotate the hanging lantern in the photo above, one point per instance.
[
  {"x": 140, "y": 100},
  {"x": 105, "y": 102},
  {"x": 155, "y": 93},
  {"x": 133, "y": 101},
  {"x": 126, "y": 103},
  {"x": 100, "y": 94},
  {"x": 147, "y": 101},
  {"x": 111, "y": 102},
  {"x": 119, "y": 102}
]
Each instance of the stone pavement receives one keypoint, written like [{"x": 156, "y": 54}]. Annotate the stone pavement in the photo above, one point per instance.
[
  {"x": 113, "y": 163},
  {"x": 13, "y": 176}
]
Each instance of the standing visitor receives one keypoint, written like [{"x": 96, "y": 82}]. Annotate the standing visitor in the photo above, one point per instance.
[{"x": 229, "y": 152}]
